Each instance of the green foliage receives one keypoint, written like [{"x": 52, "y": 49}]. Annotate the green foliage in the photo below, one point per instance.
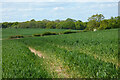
[
  {"x": 24, "y": 25},
  {"x": 71, "y": 20},
  {"x": 40, "y": 24},
  {"x": 66, "y": 25},
  {"x": 53, "y": 33},
  {"x": 114, "y": 22},
  {"x": 98, "y": 22},
  {"x": 0, "y": 25},
  {"x": 80, "y": 25},
  {"x": 97, "y": 17},
  {"x": 92, "y": 25},
  {"x": 5, "y": 25},
  {"x": 33, "y": 20},
  {"x": 32, "y": 24},
  {"x": 60, "y": 25},
  {"x": 94, "y": 22},
  {"x": 69, "y": 32},
  {"x": 48, "y": 33},
  {"x": 37, "y": 35},
  {"x": 51, "y": 25},
  {"x": 104, "y": 24},
  {"x": 57, "y": 20}
]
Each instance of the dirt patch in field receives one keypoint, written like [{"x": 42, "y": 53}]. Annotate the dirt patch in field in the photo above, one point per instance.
[
  {"x": 55, "y": 66},
  {"x": 36, "y": 52}
]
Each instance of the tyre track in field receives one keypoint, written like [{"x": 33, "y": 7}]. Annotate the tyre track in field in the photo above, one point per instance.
[
  {"x": 36, "y": 52},
  {"x": 55, "y": 66}
]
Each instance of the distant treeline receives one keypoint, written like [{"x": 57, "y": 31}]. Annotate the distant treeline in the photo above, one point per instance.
[{"x": 94, "y": 22}]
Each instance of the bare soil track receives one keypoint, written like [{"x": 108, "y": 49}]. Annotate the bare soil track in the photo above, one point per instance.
[
  {"x": 55, "y": 66},
  {"x": 36, "y": 52}
]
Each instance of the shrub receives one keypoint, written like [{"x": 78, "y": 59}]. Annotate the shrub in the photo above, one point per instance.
[
  {"x": 49, "y": 33},
  {"x": 68, "y": 32},
  {"x": 36, "y": 34},
  {"x": 85, "y": 30},
  {"x": 17, "y": 36},
  {"x": 79, "y": 31}
]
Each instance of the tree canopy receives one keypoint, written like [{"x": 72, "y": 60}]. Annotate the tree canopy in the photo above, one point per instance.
[
  {"x": 97, "y": 17},
  {"x": 96, "y": 21}
]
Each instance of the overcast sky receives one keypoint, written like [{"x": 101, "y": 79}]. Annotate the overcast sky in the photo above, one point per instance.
[{"x": 22, "y": 10}]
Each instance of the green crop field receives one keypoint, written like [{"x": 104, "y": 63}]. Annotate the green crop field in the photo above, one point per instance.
[
  {"x": 26, "y": 32},
  {"x": 76, "y": 55}
]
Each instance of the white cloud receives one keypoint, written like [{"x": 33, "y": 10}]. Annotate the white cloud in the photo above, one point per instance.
[
  {"x": 59, "y": 0},
  {"x": 58, "y": 8}
]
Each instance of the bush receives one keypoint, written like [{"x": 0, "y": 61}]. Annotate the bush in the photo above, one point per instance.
[
  {"x": 17, "y": 36},
  {"x": 79, "y": 31},
  {"x": 36, "y": 34},
  {"x": 68, "y": 32},
  {"x": 85, "y": 30},
  {"x": 49, "y": 33}
]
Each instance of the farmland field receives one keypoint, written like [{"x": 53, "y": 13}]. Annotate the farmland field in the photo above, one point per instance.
[
  {"x": 77, "y": 55},
  {"x": 26, "y": 32}
]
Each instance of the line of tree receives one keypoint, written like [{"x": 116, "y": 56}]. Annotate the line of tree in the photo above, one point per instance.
[{"x": 97, "y": 21}]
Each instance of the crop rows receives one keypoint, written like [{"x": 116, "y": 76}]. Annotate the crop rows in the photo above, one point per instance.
[
  {"x": 83, "y": 55},
  {"x": 19, "y": 62}
]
